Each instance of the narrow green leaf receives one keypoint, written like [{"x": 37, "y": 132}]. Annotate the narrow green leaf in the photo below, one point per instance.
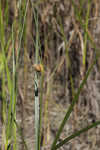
[
  {"x": 73, "y": 104},
  {"x": 77, "y": 133}
]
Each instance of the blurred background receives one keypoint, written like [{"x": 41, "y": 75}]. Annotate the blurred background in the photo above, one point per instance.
[{"x": 67, "y": 32}]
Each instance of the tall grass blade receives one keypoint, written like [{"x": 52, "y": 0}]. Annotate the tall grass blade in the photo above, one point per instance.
[
  {"x": 75, "y": 99},
  {"x": 77, "y": 133}
]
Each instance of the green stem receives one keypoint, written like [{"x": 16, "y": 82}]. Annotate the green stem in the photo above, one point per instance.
[{"x": 66, "y": 140}]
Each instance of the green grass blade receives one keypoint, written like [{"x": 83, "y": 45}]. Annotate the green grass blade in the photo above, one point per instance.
[
  {"x": 77, "y": 133},
  {"x": 19, "y": 131},
  {"x": 86, "y": 36},
  {"x": 21, "y": 34},
  {"x": 79, "y": 18},
  {"x": 73, "y": 104}
]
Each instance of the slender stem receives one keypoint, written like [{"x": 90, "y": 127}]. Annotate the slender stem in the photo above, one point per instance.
[{"x": 36, "y": 79}]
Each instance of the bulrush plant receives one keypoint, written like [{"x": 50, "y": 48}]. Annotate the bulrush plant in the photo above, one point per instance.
[{"x": 9, "y": 77}]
